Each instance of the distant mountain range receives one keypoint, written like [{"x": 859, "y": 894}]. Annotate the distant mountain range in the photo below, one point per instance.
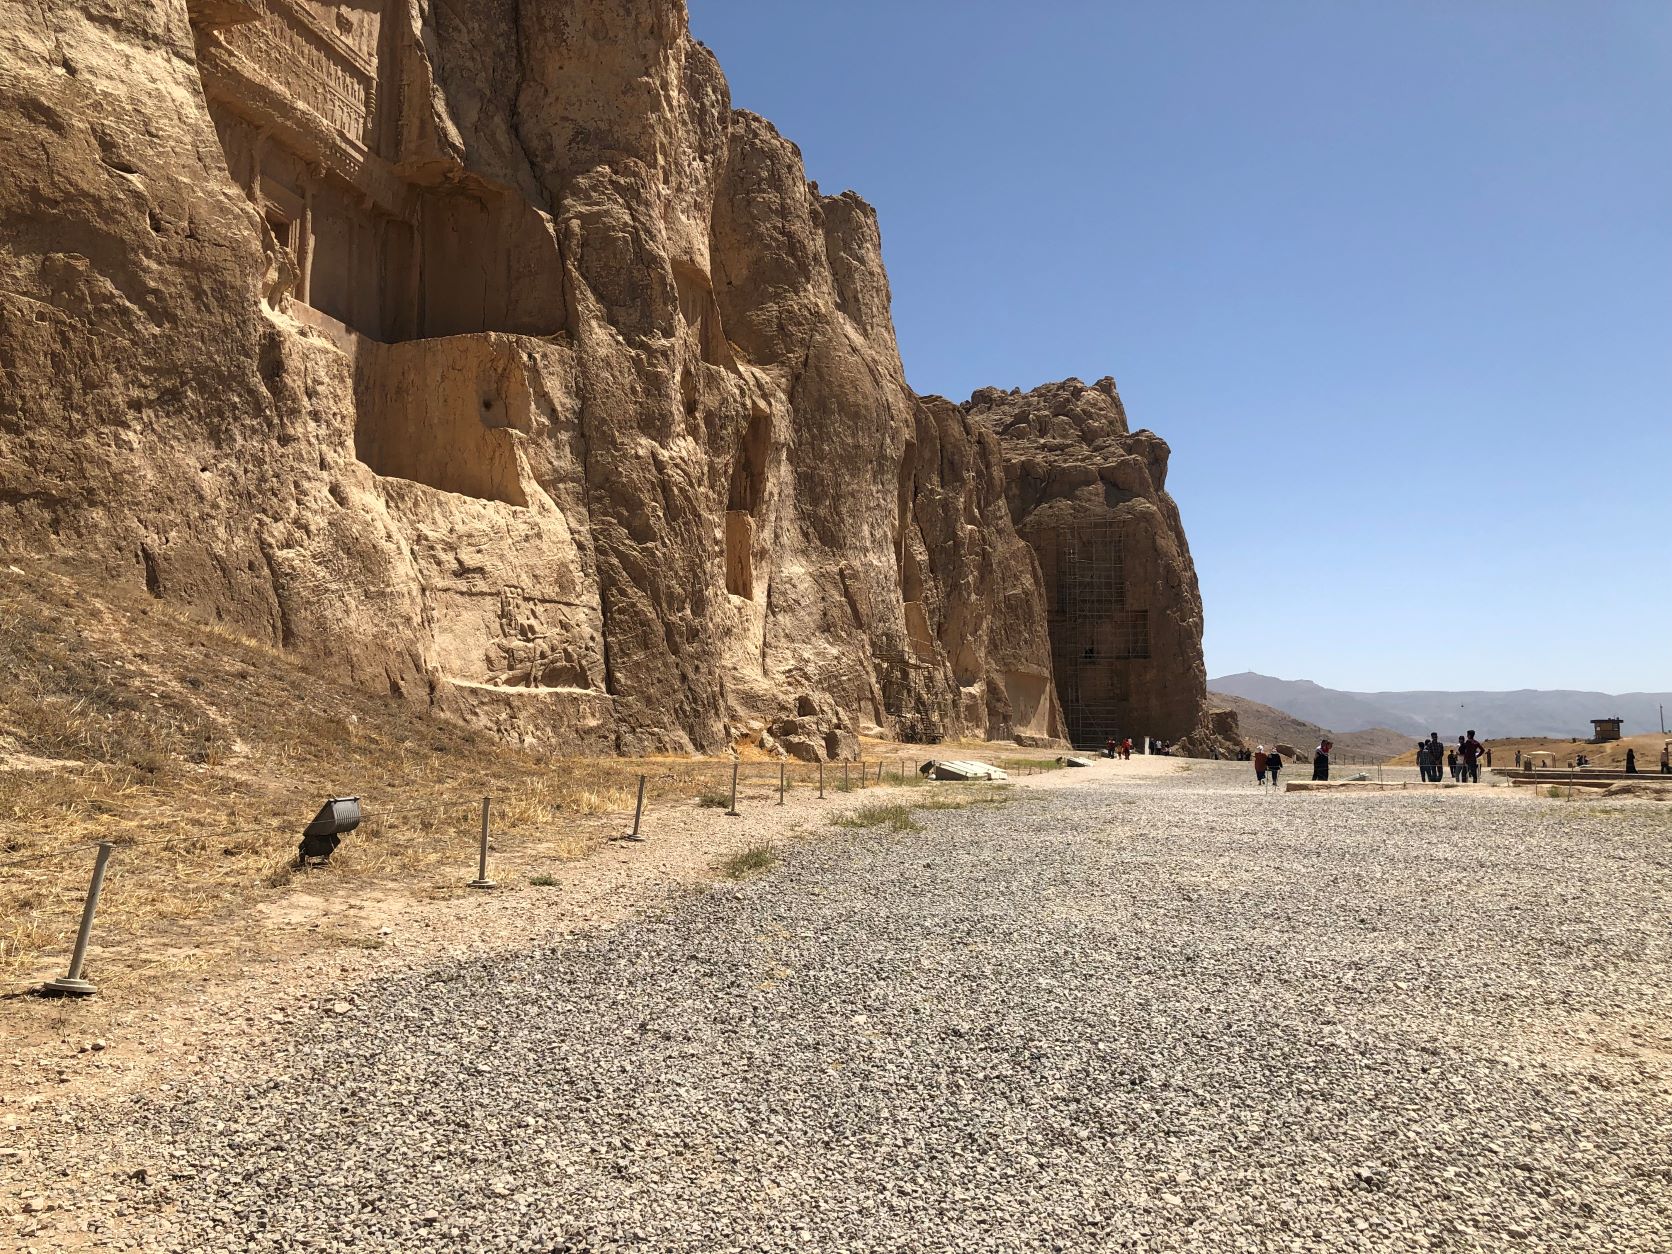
[
  {"x": 1526, "y": 712},
  {"x": 1262, "y": 725}
]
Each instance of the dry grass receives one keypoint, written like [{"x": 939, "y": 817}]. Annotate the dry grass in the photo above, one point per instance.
[
  {"x": 201, "y": 753},
  {"x": 755, "y": 860},
  {"x": 895, "y": 816},
  {"x": 898, "y": 815}
]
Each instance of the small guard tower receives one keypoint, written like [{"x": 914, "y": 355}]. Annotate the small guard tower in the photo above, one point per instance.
[{"x": 1606, "y": 729}]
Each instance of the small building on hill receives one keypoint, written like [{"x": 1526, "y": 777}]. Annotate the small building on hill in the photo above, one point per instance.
[{"x": 1606, "y": 729}]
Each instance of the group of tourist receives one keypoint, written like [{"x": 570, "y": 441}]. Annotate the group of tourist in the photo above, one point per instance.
[
  {"x": 1152, "y": 746},
  {"x": 1463, "y": 760},
  {"x": 1272, "y": 763}
]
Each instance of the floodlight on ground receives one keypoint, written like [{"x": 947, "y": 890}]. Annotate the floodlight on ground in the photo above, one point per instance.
[{"x": 320, "y": 838}]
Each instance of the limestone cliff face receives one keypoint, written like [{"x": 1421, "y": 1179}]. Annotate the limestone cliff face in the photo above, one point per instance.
[
  {"x": 483, "y": 352},
  {"x": 1089, "y": 495}
]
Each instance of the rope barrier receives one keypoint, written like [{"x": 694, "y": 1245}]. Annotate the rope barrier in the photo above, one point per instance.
[{"x": 29, "y": 859}]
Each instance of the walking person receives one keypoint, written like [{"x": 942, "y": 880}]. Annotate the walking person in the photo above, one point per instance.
[
  {"x": 1666, "y": 758},
  {"x": 1451, "y": 764},
  {"x": 1320, "y": 760},
  {"x": 1631, "y": 761},
  {"x": 1260, "y": 765},
  {"x": 1423, "y": 760},
  {"x": 1274, "y": 764},
  {"x": 1436, "y": 755}
]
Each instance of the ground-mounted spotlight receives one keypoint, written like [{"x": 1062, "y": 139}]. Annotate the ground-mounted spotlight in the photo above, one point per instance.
[{"x": 321, "y": 837}]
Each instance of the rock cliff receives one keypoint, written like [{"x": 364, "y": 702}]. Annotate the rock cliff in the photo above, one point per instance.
[
  {"x": 484, "y": 353},
  {"x": 1089, "y": 494}
]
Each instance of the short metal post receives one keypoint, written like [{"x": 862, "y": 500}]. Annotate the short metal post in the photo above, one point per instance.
[
  {"x": 72, "y": 984},
  {"x": 821, "y": 781},
  {"x": 732, "y": 813},
  {"x": 482, "y": 880},
  {"x": 781, "y": 783},
  {"x": 638, "y": 813},
  {"x": 844, "y": 777}
]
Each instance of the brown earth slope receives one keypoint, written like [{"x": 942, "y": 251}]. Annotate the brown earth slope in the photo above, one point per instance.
[
  {"x": 1260, "y": 724},
  {"x": 200, "y": 754}
]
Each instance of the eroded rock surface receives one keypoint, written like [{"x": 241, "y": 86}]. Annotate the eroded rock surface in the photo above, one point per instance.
[
  {"x": 1090, "y": 495},
  {"x": 486, "y": 354}
]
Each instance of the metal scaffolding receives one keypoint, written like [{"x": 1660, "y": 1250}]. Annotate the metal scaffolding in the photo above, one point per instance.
[
  {"x": 903, "y": 697},
  {"x": 1095, "y": 634}
]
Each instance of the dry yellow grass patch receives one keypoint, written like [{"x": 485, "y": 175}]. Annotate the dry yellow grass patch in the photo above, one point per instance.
[{"x": 201, "y": 753}]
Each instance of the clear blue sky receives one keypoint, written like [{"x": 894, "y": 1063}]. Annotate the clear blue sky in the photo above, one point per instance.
[{"x": 1392, "y": 277}]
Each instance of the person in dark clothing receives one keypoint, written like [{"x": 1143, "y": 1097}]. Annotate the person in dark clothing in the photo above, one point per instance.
[
  {"x": 1451, "y": 764},
  {"x": 1274, "y": 764},
  {"x": 1320, "y": 760},
  {"x": 1666, "y": 759},
  {"x": 1472, "y": 751},
  {"x": 1631, "y": 761},
  {"x": 1260, "y": 761},
  {"x": 1436, "y": 756},
  {"x": 1423, "y": 760}
]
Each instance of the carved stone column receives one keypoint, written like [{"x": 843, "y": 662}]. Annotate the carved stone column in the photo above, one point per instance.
[{"x": 305, "y": 239}]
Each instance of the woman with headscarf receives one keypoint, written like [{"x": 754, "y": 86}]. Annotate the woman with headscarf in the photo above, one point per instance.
[
  {"x": 1259, "y": 764},
  {"x": 1320, "y": 760}
]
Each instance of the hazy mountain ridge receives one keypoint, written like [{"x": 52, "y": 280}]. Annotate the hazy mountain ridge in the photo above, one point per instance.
[
  {"x": 1261, "y": 724},
  {"x": 1523, "y": 712}
]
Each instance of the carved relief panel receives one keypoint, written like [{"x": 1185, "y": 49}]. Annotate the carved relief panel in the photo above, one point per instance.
[{"x": 322, "y": 56}]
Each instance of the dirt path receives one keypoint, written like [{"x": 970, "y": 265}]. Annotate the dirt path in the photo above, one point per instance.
[
  {"x": 271, "y": 966},
  {"x": 1155, "y": 1008}
]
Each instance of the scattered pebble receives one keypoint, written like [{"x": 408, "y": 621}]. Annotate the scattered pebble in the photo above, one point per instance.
[{"x": 1172, "y": 1015}]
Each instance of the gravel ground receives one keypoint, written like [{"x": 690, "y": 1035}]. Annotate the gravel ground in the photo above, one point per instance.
[{"x": 1168, "y": 1014}]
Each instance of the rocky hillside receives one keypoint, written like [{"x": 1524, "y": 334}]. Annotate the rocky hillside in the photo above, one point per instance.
[
  {"x": 1527, "y": 712},
  {"x": 485, "y": 356},
  {"x": 1260, "y": 724}
]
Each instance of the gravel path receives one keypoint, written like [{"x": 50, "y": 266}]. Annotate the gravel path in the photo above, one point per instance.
[{"x": 1169, "y": 1014}]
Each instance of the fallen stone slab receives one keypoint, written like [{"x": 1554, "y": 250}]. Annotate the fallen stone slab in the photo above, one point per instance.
[
  {"x": 1342, "y": 785},
  {"x": 963, "y": 771},
  {"x": 1643, "y": 790}
]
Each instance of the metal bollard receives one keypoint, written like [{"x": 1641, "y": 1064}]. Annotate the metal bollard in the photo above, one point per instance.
[
  {"x": 72, "y": 984},
  {"x": 732, "y": 813},
  {"x": 482, "y": 880},
  {"x": 844, "y": 777},
  {"x": 638, "y": 813},
  {"x": 821, "y": 781},
  {"x": 780, "y": 783}
]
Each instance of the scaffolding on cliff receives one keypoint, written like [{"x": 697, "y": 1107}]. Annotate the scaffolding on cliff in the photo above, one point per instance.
[{"x": 1096, "y": 635}]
